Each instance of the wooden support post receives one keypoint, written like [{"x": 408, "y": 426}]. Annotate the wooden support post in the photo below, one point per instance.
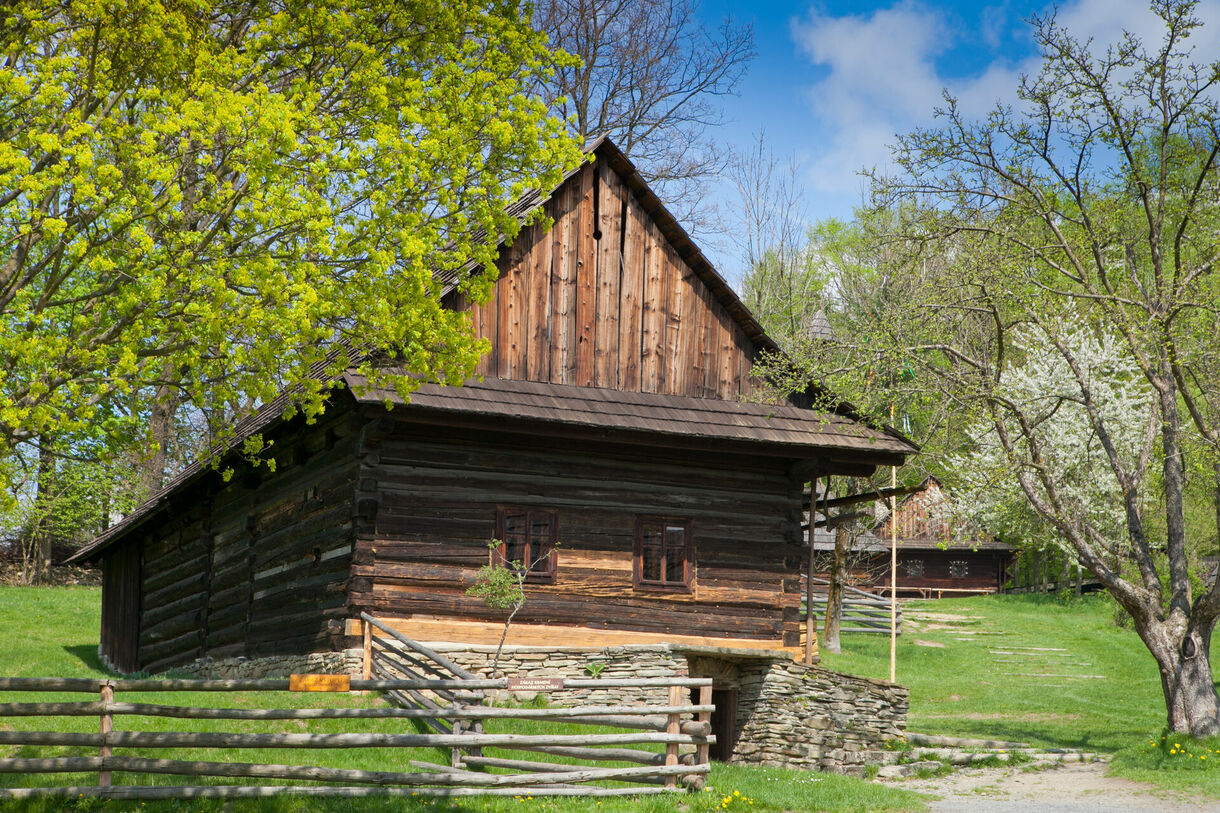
[
  {"x": 673, "y": 726},
  {"x": 893, "y": 569},
  {"x": 702, "y": 750},
  {"x": 810, "y": 625},
  {"x": 455, "y": 753},
  {"x": 367, "y": 629},
  {"x": 103, "y": 777}
]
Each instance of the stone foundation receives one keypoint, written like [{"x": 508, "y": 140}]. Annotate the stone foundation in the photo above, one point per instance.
[
  {"x": 346, "y": 662},
  {"x": 788, "y": 714}
]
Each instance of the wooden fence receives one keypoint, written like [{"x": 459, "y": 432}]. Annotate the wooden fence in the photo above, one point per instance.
[
  {"x": 862, "y": 611},
  {"x": 445, "y": 705}
]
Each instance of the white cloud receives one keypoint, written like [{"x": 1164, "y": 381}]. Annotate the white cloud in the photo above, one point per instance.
[{"x": 881, "y": 76}]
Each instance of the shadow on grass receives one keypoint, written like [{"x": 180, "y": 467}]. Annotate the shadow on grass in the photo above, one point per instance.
[{"x": 87, "y": 654}]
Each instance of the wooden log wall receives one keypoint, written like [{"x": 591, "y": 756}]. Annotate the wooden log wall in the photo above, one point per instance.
[
  {"x": 436, "y": 509},
  {"x": 257, "y": 565},
  {"x": 986, "y": 571},
  {"x": 602, "y": 299}
]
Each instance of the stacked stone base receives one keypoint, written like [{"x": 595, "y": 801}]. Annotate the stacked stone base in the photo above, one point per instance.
[{"x": 344, "y": 662}]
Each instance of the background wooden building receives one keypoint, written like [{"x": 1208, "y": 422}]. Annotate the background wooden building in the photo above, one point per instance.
[
  {"x": 609, "y": 443},
  {"x": 935, "y": 557}
]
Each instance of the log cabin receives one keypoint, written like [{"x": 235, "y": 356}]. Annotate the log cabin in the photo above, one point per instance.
[{"x": 613, "y": 442}]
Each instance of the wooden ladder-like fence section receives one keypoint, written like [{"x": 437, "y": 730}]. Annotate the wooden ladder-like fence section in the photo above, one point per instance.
[
  {"x": 390, "y": 655},
  {"x": 657, "y": 772},
  {"x": 862, "y": 611}
]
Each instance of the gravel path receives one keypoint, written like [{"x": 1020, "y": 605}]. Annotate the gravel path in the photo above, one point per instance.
[{"x": 1072, "y": 788}]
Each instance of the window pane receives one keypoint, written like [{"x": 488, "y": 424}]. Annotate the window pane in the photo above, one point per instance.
[
  {"x": 515, "y": 538},
  {"x": 675, "y": 554},
  {"x": 651, "y": 565},
  {"x": 540, "y": 542}
]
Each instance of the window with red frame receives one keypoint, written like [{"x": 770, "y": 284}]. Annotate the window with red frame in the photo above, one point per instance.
[
  {"x": 527, "y": 539},
  {"x": 664, "y": 553}
]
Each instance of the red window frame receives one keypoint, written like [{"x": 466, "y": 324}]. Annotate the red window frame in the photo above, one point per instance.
[
  {"x": 532, "y": 548},
  {"x": 660, "y": 527}
]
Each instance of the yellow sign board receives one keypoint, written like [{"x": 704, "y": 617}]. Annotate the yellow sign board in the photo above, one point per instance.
[{"x": 319, "y": 683}]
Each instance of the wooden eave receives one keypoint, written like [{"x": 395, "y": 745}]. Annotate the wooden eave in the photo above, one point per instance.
[{"x": 648, "y": 419}]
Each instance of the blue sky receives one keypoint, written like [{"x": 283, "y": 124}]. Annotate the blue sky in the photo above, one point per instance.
[{"x": 834, "y": 81}]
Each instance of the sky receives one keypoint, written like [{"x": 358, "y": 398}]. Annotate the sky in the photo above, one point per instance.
[{"x": 833, "y": 82}]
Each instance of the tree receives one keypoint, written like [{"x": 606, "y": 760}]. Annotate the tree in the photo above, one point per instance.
[
  {"x": 501, "y": 586},
  {"x": 1086, "y": 217},
  {"x": 231, "y": 199},
  {"x": 784, "y": 284},
  {"x": 648, "y": 76}
]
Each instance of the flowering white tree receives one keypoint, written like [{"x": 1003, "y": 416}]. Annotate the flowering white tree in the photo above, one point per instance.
[{"x": 992, "y": 477}]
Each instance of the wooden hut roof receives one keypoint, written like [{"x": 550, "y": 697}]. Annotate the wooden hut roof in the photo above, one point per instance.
[{"x": 784, "y": 428}]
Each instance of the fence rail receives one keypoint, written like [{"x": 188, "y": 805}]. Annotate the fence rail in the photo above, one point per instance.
[{"x": 443, "y": 697}]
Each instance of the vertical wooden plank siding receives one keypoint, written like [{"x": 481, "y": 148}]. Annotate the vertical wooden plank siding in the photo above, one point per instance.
[
  {"x": 603, "y": 299},
  {"x": 539, "y": 259},
  {"x": 680, "y": 340},
  {"x": 609, "y": 269},
  {"x": 631, "y": 287},
  {"x": 727, "y": 353},
  {"x": 563, "y": 283},
  {"x": 652, "y": 341},
  {"x": 586, "y": 282},
  {"x": 120, "y": 631}
]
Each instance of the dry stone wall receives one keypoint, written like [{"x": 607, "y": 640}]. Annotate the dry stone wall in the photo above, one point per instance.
[{"x": 788, "y": 714}]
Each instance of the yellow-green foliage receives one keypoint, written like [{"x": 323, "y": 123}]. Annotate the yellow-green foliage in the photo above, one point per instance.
[{"x": 218, "y": 190}]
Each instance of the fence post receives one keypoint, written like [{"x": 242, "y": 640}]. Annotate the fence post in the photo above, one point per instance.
[
  {"x": 103, "y": 776},
  {"x": 673, "y": 725},
  {"x": 367, "y": 671},
  {"x": 703, "y": 750}
]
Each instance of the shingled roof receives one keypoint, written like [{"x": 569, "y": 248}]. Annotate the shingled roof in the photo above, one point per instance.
[{"x": 785, "y": 428}]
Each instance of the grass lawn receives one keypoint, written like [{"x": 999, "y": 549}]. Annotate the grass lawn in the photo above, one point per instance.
[
  {"x": 52, "y": 632},
  {"x": 1039, "y": 670}
]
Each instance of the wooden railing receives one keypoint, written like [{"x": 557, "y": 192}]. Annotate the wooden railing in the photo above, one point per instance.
[
  {"x": 659, "y": 772},
  {"x": 862, "y": 611},
  {"x": 389, "y": 654}
]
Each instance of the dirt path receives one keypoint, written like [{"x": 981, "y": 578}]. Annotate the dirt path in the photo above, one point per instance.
[{"x": 1072, "y": 788}]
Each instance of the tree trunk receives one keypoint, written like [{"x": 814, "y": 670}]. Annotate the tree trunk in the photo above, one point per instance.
[
  {"x": 834, "y": 594},
  {"x": 43, "y": 538},
  {"x": 160, "y": 428},
  {"x": 1186, "y": 675}
]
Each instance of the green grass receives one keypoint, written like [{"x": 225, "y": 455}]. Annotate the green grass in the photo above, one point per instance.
[
  {"x": 970, "y": 688},
  {"x": 52, "y": 632}
]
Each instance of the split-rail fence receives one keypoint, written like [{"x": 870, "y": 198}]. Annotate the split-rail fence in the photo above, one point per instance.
[{"x": 453, "y": 708}]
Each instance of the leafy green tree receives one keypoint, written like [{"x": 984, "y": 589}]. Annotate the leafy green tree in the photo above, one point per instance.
[
  {"x": 213, "y": 196},
  {"x": 1088, "y": 210}
]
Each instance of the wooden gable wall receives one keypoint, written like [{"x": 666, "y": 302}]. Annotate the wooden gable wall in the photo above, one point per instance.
[{"x": 603, "y": 299}]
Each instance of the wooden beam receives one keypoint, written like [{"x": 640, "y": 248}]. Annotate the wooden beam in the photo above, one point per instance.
[{"x": 870, "y": 496}]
